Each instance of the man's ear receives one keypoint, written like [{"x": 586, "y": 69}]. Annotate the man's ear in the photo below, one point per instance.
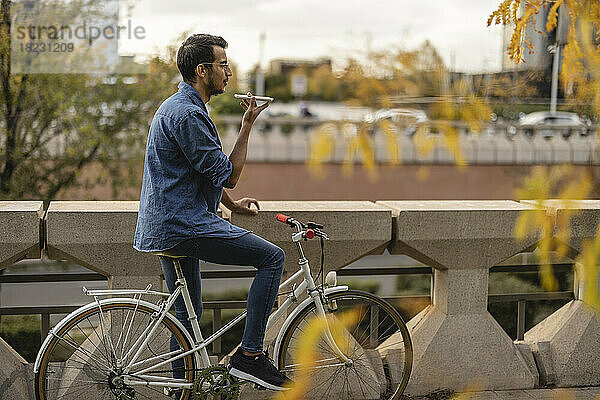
[{"x": 200, "y": 70}]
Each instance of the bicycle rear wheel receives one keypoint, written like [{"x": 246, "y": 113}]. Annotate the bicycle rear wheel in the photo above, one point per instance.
[
  {"x": 86, "y": 355},
  {"x": 377, "y": 342}
]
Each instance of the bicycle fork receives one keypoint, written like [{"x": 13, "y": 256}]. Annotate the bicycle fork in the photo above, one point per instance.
[{"x": 315, "y": 294}]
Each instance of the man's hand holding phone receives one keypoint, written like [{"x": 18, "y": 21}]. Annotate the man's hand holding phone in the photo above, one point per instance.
[{"x": 252, "y": 109}]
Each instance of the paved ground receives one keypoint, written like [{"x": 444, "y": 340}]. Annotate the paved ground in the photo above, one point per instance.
[
  {"x": 583, "y": 393},
  {"x": 589, "y": 393}
]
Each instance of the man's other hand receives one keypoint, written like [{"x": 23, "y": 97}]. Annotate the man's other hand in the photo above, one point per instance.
[
  {"x": 242, "y": 206},
  {"x": 252, "y": 110}
]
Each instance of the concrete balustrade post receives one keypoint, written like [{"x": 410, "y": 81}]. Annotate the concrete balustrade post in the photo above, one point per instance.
[
  {"x": 99, "y": 235},
  {"x": 20, "y": 228},
  {"x": 355, "y": 229},
  {"x": 16, "y": 375},
  {"x": 566, "y": 343},
  {"x": 457, "y": 343}
]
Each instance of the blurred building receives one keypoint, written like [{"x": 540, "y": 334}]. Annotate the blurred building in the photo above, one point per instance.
[
  {"x": 287, "y": 66},
  {"x": 541, "y": 57}
]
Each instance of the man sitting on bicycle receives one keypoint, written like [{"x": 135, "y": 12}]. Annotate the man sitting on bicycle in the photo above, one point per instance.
[{"x": 185, "y": 171}]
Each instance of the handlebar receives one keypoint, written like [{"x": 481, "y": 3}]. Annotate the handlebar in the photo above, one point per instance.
[
  {"x": 284, "y": 219},
  {"x": 308, "y": 231}
]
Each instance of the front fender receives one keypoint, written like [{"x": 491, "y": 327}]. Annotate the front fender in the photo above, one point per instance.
[{"x": 294, "y": 313}]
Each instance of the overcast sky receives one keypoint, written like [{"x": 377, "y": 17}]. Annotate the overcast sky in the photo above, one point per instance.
[{"x": 334, "y": 28}]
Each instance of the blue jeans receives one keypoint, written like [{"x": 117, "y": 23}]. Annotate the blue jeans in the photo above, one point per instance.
[{"x": 248, "y": 250}]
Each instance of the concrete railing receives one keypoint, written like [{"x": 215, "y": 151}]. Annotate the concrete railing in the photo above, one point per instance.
[
  {"x": 289, "y": 140},
  {"x": 456, "y": 341}
]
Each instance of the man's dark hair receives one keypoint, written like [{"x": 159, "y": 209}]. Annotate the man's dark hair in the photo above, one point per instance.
[{"x": 197, "y": 49}]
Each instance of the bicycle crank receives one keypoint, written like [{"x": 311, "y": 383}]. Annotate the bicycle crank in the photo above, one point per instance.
[{"x": 216, "y": 383}]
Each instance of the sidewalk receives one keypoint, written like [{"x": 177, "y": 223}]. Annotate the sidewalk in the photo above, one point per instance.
[
  {"x": 578, "y": 393},
  {"x": 586, "y": 393}
]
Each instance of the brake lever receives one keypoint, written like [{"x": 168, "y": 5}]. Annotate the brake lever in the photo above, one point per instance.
[
  {"x": 321, "y": 234},
  {"x": 314, "y": 225}
]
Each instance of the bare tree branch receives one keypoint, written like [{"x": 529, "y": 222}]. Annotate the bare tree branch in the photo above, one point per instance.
[{"x": 70, "y": 177}]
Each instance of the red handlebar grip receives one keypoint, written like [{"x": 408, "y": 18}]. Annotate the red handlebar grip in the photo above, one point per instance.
[{"x": 282, "y": 218}]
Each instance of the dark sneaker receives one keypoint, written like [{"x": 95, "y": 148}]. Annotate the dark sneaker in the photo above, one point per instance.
[{"x": 258, "y": 369}]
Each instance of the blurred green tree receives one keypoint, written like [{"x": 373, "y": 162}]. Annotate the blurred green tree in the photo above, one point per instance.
[{"x": 53, "y": 125}]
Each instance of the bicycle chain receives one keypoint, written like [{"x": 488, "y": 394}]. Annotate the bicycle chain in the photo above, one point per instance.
[{"x": 229, "y": 391}]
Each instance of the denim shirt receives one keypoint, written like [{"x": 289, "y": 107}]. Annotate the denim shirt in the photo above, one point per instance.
[{"x": 184, "y": 172}]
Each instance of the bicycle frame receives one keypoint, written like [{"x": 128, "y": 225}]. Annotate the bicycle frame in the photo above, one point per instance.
[{"x": 200, "y": 344}]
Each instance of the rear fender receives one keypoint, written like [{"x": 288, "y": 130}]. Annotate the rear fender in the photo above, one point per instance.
[{"x": 89, "y": 306}]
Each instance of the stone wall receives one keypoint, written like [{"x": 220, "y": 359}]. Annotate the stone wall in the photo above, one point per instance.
[{"x": 456, "y": 341}]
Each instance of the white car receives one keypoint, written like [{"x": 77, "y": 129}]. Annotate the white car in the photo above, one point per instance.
[
  {"x": 566, "y": 123},
  {"x": 407, "y": 118}
]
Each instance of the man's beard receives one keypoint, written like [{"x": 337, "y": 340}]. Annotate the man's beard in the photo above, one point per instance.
[{"x": 214, "y": 90}]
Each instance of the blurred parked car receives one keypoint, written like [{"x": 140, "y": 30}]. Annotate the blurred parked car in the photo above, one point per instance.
[
  {"x": 566, "y": 123},
  {"x": 408, "y": 119}
]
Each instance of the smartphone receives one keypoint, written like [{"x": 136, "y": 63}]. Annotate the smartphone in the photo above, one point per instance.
[{"x": 259, "y": 98}]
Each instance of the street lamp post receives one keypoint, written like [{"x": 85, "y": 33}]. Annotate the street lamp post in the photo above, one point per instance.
[
  {"x": 554, "y": 90},
  {"x": 561, "y": 39}
]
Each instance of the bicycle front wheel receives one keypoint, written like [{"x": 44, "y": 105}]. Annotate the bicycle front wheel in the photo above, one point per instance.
[
  {"x": 86, "y": 356},
  {"x": 374, "y": 337}
]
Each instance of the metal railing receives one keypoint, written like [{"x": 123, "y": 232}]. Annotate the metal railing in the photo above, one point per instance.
[
  {"x": 217, "y": 306},
  {"x": 503, "y": 143}
]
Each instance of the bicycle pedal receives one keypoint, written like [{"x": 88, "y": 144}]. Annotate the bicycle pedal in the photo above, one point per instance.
[{"x": 170, "y": 391}]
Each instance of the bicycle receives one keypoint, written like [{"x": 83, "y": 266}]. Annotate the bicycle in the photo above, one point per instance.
[{"x": 128, "y": 348}]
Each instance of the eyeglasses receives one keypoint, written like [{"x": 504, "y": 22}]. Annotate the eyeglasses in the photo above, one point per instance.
[{"x": 225, "y": 66}]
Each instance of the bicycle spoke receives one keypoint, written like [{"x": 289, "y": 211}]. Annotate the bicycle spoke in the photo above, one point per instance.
[
  {"x": 105, "y": 332},
  {"x": 360, "y": 379},
  {"x": 85, "y": 375},
  {"x": 161, "y": 358},
  {"x": 80, "y": 390},
  {"x": 79, "y": 359},
  {"x": 153, "y": 390},
  {"x": 78, "y": 348},
  {"x": 156, "y": 336},
  {"x": 62, "y": 380},
  {"x": 362, "y": 342},
  {"x": 94, "y": 330},
  {"x": 138, "y": 342},
  {"x": 106, "y": 393},
  {"x": 137, "y": 334},
  {"x": 368, "y": 334},
  {"x": 87, "y": 337},
  {"x": 129, "y": 312},
  {"x": 329, "y": 386},
  {"x": 388, "y": 346}
]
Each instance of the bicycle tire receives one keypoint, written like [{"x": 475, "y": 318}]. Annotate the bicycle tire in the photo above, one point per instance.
[
  {"x": 79, "y": 354},
  {"x": 384, "y": 337}
]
